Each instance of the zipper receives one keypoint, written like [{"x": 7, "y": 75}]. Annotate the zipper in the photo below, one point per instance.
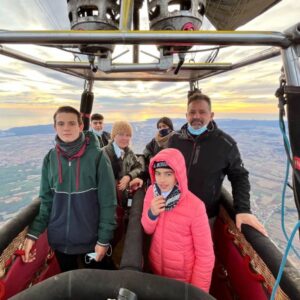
[
  {"x": 192, "y": 157},
  {"x": 162, "y": 244},
  {"x": 69, "y": 205}
]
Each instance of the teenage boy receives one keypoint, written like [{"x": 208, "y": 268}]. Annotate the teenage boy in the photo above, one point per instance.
[
  {"x": 97, "y": 124},
  {"x": 77, "y": 193}
]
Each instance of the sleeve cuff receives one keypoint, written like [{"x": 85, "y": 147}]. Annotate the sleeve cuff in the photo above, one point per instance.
[
  {"x": 243, "y": 211},
  {"x": 103, "y": 244},
  {"x": 32, "y": 237},
  {"x": 151, "y": 215}
]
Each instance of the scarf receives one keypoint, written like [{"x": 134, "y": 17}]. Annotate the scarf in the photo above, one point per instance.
[
  {"x": 162, "y": 141},
  {"x": 70, "y": 149},
  {"x": 173, "y": 197}
]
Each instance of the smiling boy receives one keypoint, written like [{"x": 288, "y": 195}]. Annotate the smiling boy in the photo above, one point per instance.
[{"x": 181, "y": 246}]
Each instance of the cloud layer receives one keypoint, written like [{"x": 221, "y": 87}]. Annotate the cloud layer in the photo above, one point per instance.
[{"x": 30, "y": 94}]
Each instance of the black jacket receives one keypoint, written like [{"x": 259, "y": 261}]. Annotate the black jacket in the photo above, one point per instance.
[
  {"x": 104, "y": 138},
  {"x": 209, "y": 158},
  {"x": 151, "y": 149},
  {"x": 129, "y": 165}
]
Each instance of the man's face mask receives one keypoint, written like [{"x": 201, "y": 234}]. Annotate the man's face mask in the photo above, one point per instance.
[
  {"x": 197, "y": 131},
  {"x": 165, "y": 131},
  {"x": 97, "y": 132}
]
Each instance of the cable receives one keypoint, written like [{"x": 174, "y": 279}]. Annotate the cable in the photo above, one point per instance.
[
  {"x": 213, "y": 55},
  {"x": 284, "y": 259},
  {"x": 196, "y": 51},
  {"x": 283, "y": 207},
  {"x": 288, "y": 153},
  {"x": 45, "y": 11}
]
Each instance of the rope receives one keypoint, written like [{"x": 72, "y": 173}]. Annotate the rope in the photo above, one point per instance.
[
  {"x": 284, "y": 259},
  {"x": 281, "y": 103},
  {"x": 283, "y": 196}
]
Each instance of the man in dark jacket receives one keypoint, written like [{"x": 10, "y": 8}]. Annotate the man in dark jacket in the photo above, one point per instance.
[
  {"x": 97, "y": 124},
  {"x": 210, "y": 155}
]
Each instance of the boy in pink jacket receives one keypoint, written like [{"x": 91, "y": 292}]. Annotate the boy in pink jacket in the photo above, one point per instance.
[{"x": 181, "y": 246}]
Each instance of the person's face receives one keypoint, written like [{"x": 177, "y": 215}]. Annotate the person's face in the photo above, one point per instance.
[
  {"x": 165, "y": 179},
  {"x": 162, "y": 126},
  {"x": 97, "y": 125},
  {"x": 67, "y": 127},
  {"x": 122, "y": 139},
  {"x": 199, "y": 114}
]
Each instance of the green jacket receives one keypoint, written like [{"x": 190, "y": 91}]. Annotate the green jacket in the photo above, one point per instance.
[{"x": 78, "y": 207}]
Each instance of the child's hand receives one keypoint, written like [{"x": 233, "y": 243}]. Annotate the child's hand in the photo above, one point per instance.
[
  {"x": 135, "y": 183},
  {"x": 29, "y": 253},
  {"x": 157, "y": 205},
  {"x": 123, "y": 183}
]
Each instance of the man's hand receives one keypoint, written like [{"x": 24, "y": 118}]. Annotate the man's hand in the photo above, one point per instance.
[
  {"x": 29, "y": 256},
  {"x": 251, "y": 220},
  {"x": 123, "y": 183},
  {"x": 100, "y": 252},
  {"x": 157, "y": 205}
]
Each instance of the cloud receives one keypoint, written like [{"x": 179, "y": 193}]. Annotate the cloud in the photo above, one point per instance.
[{"x": 32, "y": 93}]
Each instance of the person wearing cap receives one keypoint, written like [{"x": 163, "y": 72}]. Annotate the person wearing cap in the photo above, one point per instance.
[
  {"x": 164, "y": 131},
  {"x": 210, "y": 155},
  {"x": 181, "y": 245}
]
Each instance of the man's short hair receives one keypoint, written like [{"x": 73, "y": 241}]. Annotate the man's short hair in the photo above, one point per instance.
[
  {"x": 198, "y": 96},
  {"x": 97, "y": 117},
  {"x": 69, "y": 110}
]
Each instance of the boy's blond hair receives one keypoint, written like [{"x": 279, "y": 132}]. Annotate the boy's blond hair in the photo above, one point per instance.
[{"x": 121, "y": 127}]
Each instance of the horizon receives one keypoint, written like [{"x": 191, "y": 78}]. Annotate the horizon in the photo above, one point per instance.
[
  {"x": 263, "y": 119},
  {"x": 31, "y": 94}
]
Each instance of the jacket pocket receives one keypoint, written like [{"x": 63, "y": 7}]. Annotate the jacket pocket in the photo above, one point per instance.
[{"x": 84, "y": 219}]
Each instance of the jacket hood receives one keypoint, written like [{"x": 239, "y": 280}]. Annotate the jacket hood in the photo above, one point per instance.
[
  {"x": 92, "y": 139},
  {"x": 175, "y": 160}
]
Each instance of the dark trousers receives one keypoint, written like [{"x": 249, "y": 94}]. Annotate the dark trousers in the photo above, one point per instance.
[{"x": 69, "y": 262}]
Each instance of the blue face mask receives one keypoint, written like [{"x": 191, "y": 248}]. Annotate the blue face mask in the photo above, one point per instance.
[
  {"x": 97, "y": 132},
  {"x": 196, "y": 131},
  {"x": 163, "y": 132}
]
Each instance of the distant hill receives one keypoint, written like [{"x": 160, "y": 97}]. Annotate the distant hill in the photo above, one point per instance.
[
  {"x": 27, "y": 130},
  {"x": 178, "y": 122}
]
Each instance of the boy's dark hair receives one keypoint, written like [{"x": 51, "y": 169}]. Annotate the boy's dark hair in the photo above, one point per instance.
[
  {"x": 165, "y": 120},
  {"x": 199, "y": 96},
  {"x": 69, "y": 110},
  {"x": 97, "y": 117}
]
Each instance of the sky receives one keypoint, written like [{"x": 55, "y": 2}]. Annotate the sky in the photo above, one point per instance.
[{"x": 29, "y": 94}]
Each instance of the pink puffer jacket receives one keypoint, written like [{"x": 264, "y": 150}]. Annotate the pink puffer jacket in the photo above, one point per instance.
[{"x": 181, "y": 246}]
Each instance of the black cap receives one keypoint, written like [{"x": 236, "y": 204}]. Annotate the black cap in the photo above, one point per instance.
[{"x": 161, "y": 164}]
